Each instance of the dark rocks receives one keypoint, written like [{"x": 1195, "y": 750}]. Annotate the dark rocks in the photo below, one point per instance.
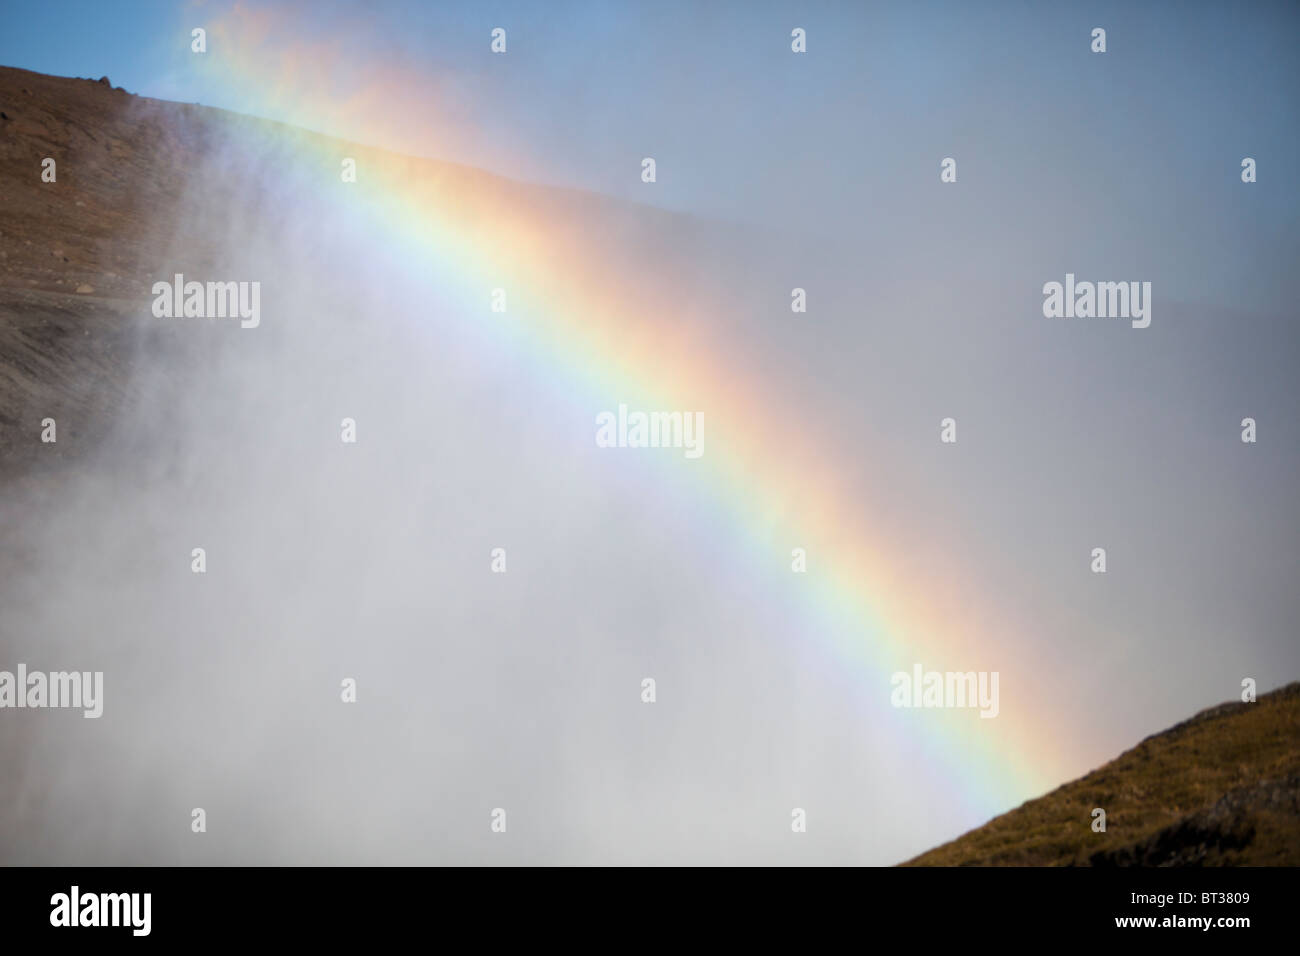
[{"x": 1209, "y": 837}]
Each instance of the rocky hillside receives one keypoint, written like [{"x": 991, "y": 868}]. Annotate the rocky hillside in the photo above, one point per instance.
[
  {"x": 1220, "y": 789},
  {"x": 76, "y": 253},
  {"x": 79, "y": 255}
]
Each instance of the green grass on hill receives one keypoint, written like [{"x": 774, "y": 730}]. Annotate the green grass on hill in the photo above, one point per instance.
[{"x": 1218, "y": 789}]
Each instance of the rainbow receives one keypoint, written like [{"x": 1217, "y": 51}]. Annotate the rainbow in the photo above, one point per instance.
[{"x": 765, "y": 469}]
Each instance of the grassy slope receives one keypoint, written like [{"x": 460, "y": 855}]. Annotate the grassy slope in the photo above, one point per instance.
[{"x": 1219, "y": 789}]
